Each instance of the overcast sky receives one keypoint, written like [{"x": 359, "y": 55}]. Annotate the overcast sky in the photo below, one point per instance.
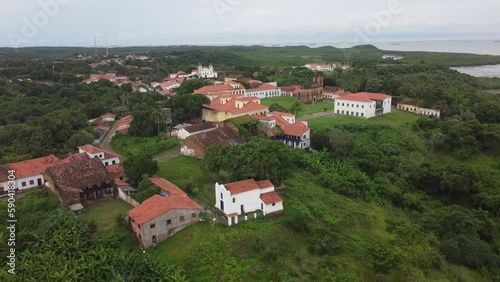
[{"x": 219, "y": 22}]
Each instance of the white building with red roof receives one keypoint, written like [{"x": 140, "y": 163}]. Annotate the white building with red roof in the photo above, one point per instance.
[
  {"x": 247, "y": 196},
  {"x": 363, "y": 104},
  {"x": 108, "y": 158},
  {"x": 231, "y": 106},
  {"x": 28, "y": 174},
  {"x": 161, "y": 216},
  {"x": 265, "y": 90},
  {"x": 287, "y": 128}
]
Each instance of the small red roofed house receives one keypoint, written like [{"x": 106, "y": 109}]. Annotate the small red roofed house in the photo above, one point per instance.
[
  {"x": 27, "y": 174},
  {"x": 363, "y": 104},
  {"x": 287, "y": 128},
  {"x": 161, "y": 216},
  {"x": 108, "y": 158},
  {"x": 123, "y": 124},
  {"x": 247, "y": 196},
  {"x": 227, "y": 107}
]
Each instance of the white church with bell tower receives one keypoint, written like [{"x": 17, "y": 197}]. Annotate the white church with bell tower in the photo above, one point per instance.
[{"x": 204, "y": 72}]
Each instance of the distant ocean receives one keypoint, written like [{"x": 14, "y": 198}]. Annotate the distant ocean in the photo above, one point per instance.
[{"x": 483, "y": 47}]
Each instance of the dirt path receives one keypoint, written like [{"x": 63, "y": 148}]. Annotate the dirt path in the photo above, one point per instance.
[
  {"x": 168, "y": 155},
  {"x": 317, "y": 115},
  {"x": 106, "y": 143}
]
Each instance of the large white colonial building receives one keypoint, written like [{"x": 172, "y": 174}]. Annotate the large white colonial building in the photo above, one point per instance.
[
  {"x": 204, "y": 72},
  {"x": 364, "y": 104},
  {"x": 265, "y": 90},
  {"x": 247, "y": 196}
]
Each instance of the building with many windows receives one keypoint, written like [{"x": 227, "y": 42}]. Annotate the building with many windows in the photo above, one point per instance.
[{"x": 364, "y": 104}]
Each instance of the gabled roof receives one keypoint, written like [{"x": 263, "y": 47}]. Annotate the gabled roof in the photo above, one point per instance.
[
  {"x": 271, "y": 198},
  {"x": 158, "y": 205},
  {"x": 230, "y": 106},
  {"x": 262, "y": 87},
  {"x": 116, "y": 170},
  {"x": 79, "y": 171},
  {"x": 243, "y": 186},
  {"x": 167, "y": 186},
  {"x": 94, "y": 150},
  {"x": 264, "y": 184},
  {"x": 28, "y": 168},
  {"x": 199, "y": 127},
  {"x": 213, "y": 88},
  {"x": 294, "y": 129}
]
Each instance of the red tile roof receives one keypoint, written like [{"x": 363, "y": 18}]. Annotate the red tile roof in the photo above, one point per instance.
[
  {"x": 94, "y": 150},
  {"x": 167, "y": 186},
  {"x": 265, "y": 184},
  {"x": 271, "y": 198},
  {"x": 247, "y": 185},
  {"x": 213, "y": 88},
  {"x": 116, "y": 170},
  {"x": 262, "y": 87},
  {"x": 158, "y": 205},
  {"x": 294, "y": 129},
  {"x": 265, "y": 118},
  {"x": 364, "y": 97},
  {"x": 28, "y": 168},
  {"x": 230, "y": 106},
  {"x": 121, "y": 183}
]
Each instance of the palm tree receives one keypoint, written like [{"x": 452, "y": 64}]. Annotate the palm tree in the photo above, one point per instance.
[{"x": 158, "y": 117}]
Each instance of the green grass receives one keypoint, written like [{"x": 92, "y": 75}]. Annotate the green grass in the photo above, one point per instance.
[
  {"x": 396, "y": 119},
  {"x": 105, "y": 212},
  {"x": 177, "y": 169},
  {"x": 127, "y": 146},
  {"x": 287, "y": 102}
]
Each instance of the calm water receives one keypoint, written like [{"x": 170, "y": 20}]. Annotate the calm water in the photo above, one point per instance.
[{"x": 481, "y": 71}]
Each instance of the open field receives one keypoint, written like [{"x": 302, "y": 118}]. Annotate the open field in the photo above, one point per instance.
[
  {"x": 127, "y": 145},
  {"x": 396, "y": 119},
  {"x": 287, "y": 102},
  {"x": 178, "y": 169},
  {"x": 105, "y": 213}
]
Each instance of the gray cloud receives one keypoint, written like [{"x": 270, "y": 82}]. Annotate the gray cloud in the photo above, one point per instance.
[{"x": 160, "y": 22}]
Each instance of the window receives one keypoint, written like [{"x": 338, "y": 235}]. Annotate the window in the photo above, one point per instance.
[
  {"x": 106, "y": 164},
  {"x": 181, "y": 219},
  {"x": 23, "y": 184},
  {"x": 362, "y": 114},
  {"x": 221, "y": 196},
  {"x": 32, "y": 182},
  {"x": 234, "y": 200},
  {"x": 114, "y": 162},
  {"x": 363, "y": 106},
  {"x": 342, "y": 104},
  {"x": 152, "y": 226},
  {"x": 169, "y": 222},
  {"x": 193, "y": 215},
  {"x": 274, "y": 204},
  {"x": 357, "y": 106}
]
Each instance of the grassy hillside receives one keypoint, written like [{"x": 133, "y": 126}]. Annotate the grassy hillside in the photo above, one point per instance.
[
  {"x": 127, "y": 146},
  {"x": 271, "y": 250},
  {"x": 287, "y": 102}
]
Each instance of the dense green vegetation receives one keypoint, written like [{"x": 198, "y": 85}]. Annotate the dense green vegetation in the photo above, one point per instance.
[
  {"x": 128, "y": 146},
  {"x": 52, "y": 244},
  {"x": 393, "y": 198}
]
